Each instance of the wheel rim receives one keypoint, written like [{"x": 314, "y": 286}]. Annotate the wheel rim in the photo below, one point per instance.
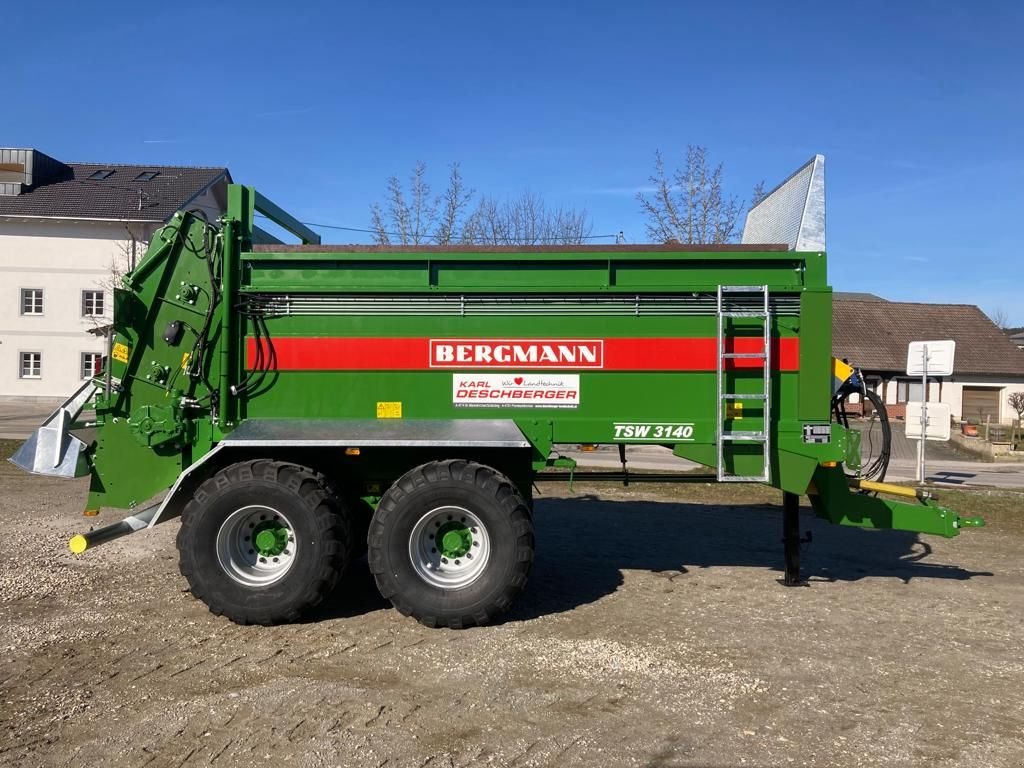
[
  {"x": 449, "y": 547},
  {"x": 256, "y": 545}
]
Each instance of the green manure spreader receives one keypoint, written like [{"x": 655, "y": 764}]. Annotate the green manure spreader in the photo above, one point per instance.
[{"x": 296, "y": 405}]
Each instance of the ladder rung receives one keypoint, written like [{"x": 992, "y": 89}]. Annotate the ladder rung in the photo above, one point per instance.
[
  {"x": 737, "y": 396},
  {"x": 743, "y": 289},
  {"x": 753, "y": 437},
  {"x": 745, "y": 355},
  {"x": 743, "y": 479},
  {"x": 761, "y": 313}
]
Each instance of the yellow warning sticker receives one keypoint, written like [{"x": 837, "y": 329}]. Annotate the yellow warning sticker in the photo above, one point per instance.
[
  {"x": 120, "y": 352},
  {"x": 734, "y": 410},
  {"x": 389, "y": 410}
]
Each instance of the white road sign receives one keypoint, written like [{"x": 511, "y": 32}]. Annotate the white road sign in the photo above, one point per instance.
[
  {"x": 938, "y": 421},
  {"x": 940, "y": 358}
]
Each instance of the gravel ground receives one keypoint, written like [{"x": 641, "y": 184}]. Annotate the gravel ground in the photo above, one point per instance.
[{"x": 653, "y": 633}]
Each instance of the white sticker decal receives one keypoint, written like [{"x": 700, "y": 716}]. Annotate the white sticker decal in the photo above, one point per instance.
[
  {"x": 654, "y": 432},
  {"x": 516, "y": 390},
  {"x": 517, "y": 353}
]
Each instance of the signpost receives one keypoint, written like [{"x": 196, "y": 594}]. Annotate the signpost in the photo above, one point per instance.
[
  {"x": 938, "y": 417},
  {"x": 924, "y": 359}
]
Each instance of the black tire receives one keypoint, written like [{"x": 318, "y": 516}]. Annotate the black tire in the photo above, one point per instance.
[
  {"x": 321, "y": 539},
  {"x": 492, "y": 499}
]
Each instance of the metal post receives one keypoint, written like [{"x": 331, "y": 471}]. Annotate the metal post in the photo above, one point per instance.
[
  {"x": 924, "y": 416},
  {"x": 791, "y": 538},
  {"x": 107, "y": 380},
  {"x": 226, "y": 309}
]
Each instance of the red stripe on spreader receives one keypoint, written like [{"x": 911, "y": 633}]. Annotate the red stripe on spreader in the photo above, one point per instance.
[
  {"x": 413, "y": 354},
  {"x": 346, "y": 354},
  {"x": 700, "y": 354}
]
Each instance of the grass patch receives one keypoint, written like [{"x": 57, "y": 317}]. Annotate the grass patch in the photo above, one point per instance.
[{"x": 1003, "y": 510}]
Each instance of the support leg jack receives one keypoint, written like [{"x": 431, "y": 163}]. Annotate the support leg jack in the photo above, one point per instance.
[{"x": 791, "y": 540}]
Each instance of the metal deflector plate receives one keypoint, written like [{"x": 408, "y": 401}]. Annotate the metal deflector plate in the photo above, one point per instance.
[
  {"x": 424, "y": 433},
  {"x": 360, "y": 433}
]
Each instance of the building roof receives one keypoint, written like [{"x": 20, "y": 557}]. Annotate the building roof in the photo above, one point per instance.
[
  {"x": 129, "y": 192},
  {"x": 874, "y": 335},
  {"x": 855, "y": 296}
]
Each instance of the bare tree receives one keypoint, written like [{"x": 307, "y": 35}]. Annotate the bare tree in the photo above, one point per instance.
[
  {"x": 1001, "y": 319},
  {"x": 454, "y": 201},
  {"x": 757, "y": 194},
  {"x": 1016, "y": 401},
  {"x": 416, "y": 217},
  {"x": 125, "y": 256},
  {"x": 407, "y": 219},
  {"x": 419, "y": 217},
  {"x": 525, "y": 220},
  {"x": 689, "y": 205}
]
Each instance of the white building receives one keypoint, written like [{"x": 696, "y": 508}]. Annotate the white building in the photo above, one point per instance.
[{"x": 67, "y": 231}]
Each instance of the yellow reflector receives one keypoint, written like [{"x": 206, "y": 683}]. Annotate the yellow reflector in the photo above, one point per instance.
[
  {"x": 78, "y": 544},
  {"x": 829, "y": 464},
  {"x": 90, "y": 512},
  {"x": 351, "y": 451},
  {"x": 588, "y": 447}
]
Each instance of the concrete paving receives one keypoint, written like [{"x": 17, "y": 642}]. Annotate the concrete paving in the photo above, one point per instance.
[
  {"x": 18, "y": 418},
  {"x": 941, "y": 471},
  {"x": 964, "y": 473}
]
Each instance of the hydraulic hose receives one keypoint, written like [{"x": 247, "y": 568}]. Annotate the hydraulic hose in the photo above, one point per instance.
[{"x": 876, "y": 467}]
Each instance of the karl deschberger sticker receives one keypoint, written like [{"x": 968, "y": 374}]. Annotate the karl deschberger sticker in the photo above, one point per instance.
[{"x": 516, "y": 390}]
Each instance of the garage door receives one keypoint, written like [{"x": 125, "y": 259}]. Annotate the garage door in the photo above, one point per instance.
[{"x": 981, "y": 403}]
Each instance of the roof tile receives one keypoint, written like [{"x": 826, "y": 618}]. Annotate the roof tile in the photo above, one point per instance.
[
  {"x": 874, "y": 336},
  {"x": 119, "y": 196}
]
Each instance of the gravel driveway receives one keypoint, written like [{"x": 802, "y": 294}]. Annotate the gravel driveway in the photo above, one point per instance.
[{"x": 653, "y": 633}]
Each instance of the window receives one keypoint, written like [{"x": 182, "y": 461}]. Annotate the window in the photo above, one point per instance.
[
  {"x": 92, "y": 364},
  {"x": 147, "y": 176},
  {"x": 92, "y": 303},
  {"x": 106, "y": 173},
  {"x": 31, "y": 301},
  {"x": 909, "y": 390},
  {"x": 31, "y": 365}
]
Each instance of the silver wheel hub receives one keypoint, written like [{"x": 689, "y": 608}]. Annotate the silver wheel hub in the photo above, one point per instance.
[
  {"x": 256, "y": 545},
  {"x": 449, "y": 547}
]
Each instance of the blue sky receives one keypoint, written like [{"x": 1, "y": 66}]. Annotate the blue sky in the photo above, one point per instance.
[{"x": 917, "y": 106}]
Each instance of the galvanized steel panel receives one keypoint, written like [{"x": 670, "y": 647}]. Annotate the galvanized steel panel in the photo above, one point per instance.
[
  {"x": 421, "y": 433},
  {"x": 793, "y": 213}
]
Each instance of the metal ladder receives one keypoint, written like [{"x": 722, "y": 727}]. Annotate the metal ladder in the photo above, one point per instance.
[{"x": 762, "y": 437}]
